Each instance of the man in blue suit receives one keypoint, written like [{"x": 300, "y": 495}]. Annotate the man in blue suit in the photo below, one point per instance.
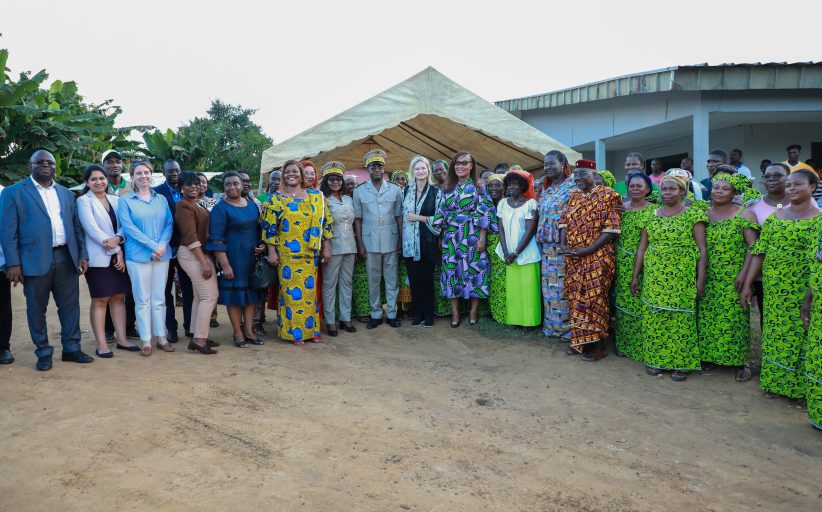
[
  {"x": 44, "y": 247},
  {"x": 171, "y": 191}
]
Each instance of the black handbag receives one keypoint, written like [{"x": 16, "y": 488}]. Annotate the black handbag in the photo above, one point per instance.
[{"x": 264, "y": 275}]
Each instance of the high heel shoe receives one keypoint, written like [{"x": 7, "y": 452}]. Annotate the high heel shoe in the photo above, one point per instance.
[{"x": 203, "y": 349}]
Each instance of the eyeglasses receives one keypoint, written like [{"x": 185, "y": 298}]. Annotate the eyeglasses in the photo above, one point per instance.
[
  {"x": 461, "y": 163},
  {"x": 44, "y": 163}
]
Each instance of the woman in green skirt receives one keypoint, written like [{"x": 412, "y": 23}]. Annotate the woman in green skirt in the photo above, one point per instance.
[
  {"x": 723, "y": 323},
  {"x": 782, "y": 260},
  {"x": 497, "y": 295},
  {"x": 812, "y": 317},
  {"x": 627, "y": 308},
  {"x": 671, "y": 259},
  {"x": 518, "y": 216}
]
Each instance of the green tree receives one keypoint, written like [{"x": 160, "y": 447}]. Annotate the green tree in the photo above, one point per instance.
[
  {"x": 226, "y": 139},
  {"x": 56, "y": 119}
]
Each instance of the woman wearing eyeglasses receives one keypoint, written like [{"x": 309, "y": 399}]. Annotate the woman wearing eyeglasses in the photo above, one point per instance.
[
  {"x": 464, "y": 216},
  {"x": 234, "y": 238}
]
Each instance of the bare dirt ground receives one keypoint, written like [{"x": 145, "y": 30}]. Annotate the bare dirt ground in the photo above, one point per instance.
[{"x": 391, "y": 419}]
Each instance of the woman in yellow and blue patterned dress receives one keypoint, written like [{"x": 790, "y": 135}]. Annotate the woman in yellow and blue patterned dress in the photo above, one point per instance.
[{"x": 297, "y": 227}]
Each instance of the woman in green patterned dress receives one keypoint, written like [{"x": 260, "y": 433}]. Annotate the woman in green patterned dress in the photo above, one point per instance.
[
  {"x": 723, "y": 323},
  {"x": 627, "y": 308},
  {"x": 672, "y": 260},
  {"x": 782, "y": 260},
  {"x": 496, "y": 297},
  {"x": 812, "y": 317}
]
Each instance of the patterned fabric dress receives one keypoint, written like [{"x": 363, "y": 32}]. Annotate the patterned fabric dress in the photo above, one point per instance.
[
  {"x": 296, "y": 227},
  {"x": 497, "y": 298},
  {"x": 668, "y": 291},
  {"x": 628, "y": 332},
  {"x": 588, "y": 278},
  {"x": 556, "y": 321},
  {"x": 360, "y": 305},
  {"x": 813, "y": 356},
  {"x": 724, "y": 325},
  {"x": 785, "y": 271},
  {"x": 460, "y": 216}
]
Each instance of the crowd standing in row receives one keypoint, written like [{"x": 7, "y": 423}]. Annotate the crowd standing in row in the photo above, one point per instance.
[{"x": 666, "y": 266}]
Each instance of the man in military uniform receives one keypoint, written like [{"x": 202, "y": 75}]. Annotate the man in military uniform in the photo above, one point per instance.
[{"x": 377, "y": 225}]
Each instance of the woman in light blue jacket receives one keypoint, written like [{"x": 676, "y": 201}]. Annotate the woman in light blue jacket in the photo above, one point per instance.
[{"x": 147, "y": 223}]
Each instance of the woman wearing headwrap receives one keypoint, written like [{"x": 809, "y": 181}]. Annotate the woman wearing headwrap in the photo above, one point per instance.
[
  {"x": 588, "y": 227},
  {"x": 628, "y": 333},
  {"x": 672, "y": 260},
  {"x": 400, "y": 179},
  {"x": 605, "y": 177},
  {"x": 311, "y": 181},
  {"x": 812, "y": 317},
  {"x": 557, "y": 188},
  {"x": 723, "y": 324},
  {"x": 518, "y": 216},
  {"x": 497, "y": 295},
  {"x": 782, "y": 258}
]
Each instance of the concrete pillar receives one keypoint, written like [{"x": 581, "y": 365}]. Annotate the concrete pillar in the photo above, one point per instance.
[
  {"x": 701, "y": 142},
  {"x": 599, "y": 154}
]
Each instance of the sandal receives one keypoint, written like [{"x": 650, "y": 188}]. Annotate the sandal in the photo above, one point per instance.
[
  {"x": 571, "y": 351},
  {"x": 707, "y": 367},
  {"x": 653, "y": 371},
  {"x": 165, "y": 347},
  {"x": 145, "y": 351},
  {"x": 678, "y": 376},
  {"x": 299, "y": 343},
  {"x": 743, "y": 374}
]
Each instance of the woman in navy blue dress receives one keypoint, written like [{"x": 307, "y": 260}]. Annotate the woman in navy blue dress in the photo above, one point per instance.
[{"x": 234, "y": 238}]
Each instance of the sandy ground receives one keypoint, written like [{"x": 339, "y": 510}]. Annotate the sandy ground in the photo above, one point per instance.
[{"x": 392, "y": 419}]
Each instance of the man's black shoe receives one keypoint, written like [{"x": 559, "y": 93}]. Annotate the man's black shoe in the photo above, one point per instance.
[
  {"x": 43, "y": 363},
  {"x": 77, "y": 357},
  {"x": 109, "y": 337},
  {"x": 6, "y": 357},
  {"x": 394, "y": 322},
  {"x": 132, "y": 332},
  {"x": 172, "y": 336},
  {"x": 373, "y": 322}
]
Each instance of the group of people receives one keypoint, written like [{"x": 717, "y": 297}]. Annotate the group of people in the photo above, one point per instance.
[{"x": 664, "y": 266}]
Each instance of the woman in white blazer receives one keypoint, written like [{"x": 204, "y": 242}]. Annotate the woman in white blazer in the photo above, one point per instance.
[{"x": 106, "y": 277}]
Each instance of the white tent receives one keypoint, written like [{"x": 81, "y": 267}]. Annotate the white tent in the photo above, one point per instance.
[{"x": 428, "y": 115}]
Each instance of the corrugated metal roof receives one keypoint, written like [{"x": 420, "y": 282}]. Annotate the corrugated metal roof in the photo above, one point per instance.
[{"x": 697, "y": 77}]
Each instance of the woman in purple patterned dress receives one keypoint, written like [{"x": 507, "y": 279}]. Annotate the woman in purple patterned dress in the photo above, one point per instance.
[
  {"x": 557, "y": 188},
  {"x": 464, "y": 215}
]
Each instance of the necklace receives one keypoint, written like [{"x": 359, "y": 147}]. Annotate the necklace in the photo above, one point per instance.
[{"x": 681, "y": 208}]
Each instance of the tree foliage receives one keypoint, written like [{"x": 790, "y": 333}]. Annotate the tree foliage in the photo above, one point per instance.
[
  {"x": 56, "y": 119},
  {"x": 226, "y": 139},
  {"x": 77, "y": 133}
]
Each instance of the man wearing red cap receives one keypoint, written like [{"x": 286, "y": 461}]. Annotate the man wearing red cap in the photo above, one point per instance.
[{"x": 588, "y": 227}]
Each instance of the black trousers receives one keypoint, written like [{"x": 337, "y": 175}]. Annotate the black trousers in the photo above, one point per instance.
[
  {"x": 421, "y": 277},
  {"x": 5, "y": 312},
  {"x": 188, "y": 297}
]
